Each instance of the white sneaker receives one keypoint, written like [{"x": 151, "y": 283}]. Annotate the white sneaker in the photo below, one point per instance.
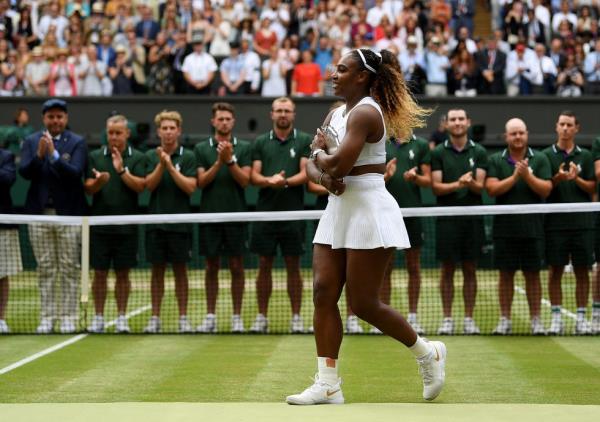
[
  {"x": 153, "y": 326},
  {"x": 596, "y": 323},
  {"x": 537, "y": 327},
  {"x": 414, "y": 323},
  {"x": 319, "y": 393},
  {"x": 503, "y": 328},
  {"x": 297, "y": 325},
  {"x": 352, "y": 325},
  {"x": 209, "y": 324},
  {"x": 4, "y": 327},
  {"x": 67, "y": 326},
  {"x": 432, "y": 370},
  {"x": 261, "y": 325},
  {"x": 45, "y": 327},
  {"x": 375, "y": 330},
  {"x": 184, "y": 325},
  {"x": 97, "y": 325},
  {"x": 583, "y": 327},
  {"x": 447, "y": 327},
  {"x": 122, "y": 325},
  {"x": 556, "y": 326},
  {"x": 237, "y": 324},
  {"x": 470, "y": 328}
]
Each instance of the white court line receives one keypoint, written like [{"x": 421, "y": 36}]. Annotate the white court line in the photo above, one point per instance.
[
  {"x": 66, "y": 343},
  {"x": 547, "y": 303}
]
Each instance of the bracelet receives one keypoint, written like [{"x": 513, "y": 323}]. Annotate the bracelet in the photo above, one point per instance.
[{"x": 321, "y": 177}]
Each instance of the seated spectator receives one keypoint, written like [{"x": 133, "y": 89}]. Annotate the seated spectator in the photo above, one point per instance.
[
  {"x": 584, "y": 21},
  {"x": 274, "y": 72},
  {"x": 160, "y": 76},
  {"x": 307, "y": 79},
  {"x": 462, "y": 75},
  {"x": 557, "y": 53},
  {"x": 23, "y": 53},
  {"x": 63, "y": 77},
  {"x": 233, "y": 72},
  {"x": 37, "y": 72},
  {"x": 491, "y": 64},
  {"x": 199, "y": 69},
  {"x": 564, "y": 14},
  {"x": 440, "y": 12},
  {"x": 522, "y": 71},
  {"x": 437, "y": 67},
  {"x": 570, "y": 81},
  {"x": 25, "y": 27},
  {"x": 412, "y": 63},
  {"x": 53, "y": 18},
  {"x": 591, "y": 69},
  {"x": 565, "y": 30},
  {"x": 121, "y": 73},
  {"x": 95, "y": 24},
  {"x": 178, "y": 53},
  {"x": 548, "y": 69},
  {"x": 12, "y": 76},
  {"x": 74, "y": 30},
  {"x": 91, "y": 75}
]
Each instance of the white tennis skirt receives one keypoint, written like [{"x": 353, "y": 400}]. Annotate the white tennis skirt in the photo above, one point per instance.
[{"x": 365, "y": 216}]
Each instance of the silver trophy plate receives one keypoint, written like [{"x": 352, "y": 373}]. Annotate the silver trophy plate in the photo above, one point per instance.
[{"x": 331, "y": 138}]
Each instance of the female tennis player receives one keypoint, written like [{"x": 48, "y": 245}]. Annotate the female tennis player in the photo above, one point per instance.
[{"x": 362, "y": 224}]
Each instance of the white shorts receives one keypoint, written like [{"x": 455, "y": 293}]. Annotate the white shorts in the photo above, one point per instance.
[
  {"x": 10, "y": 253},
  {"x": 365, "y": 216}
]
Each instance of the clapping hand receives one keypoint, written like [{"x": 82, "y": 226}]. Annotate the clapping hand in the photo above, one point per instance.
[
  {"x": 117, "y": 159},
  {"x": 465, "y": 180},
  {"x": 225, "y": 151},
  {"x": 411, "y": 174},
  {"x": 390, "y": 168},
  {"x": 277, "y": 180},
  {"x": 102, "y": 177}
]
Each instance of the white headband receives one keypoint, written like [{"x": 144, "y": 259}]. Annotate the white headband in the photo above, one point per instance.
[{"x": 362, "y": 57}]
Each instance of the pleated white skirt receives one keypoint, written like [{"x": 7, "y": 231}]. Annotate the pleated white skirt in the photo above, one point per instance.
[{"x": 365, "y": 216}]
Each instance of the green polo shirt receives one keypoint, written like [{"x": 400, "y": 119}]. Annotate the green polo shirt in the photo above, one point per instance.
[
  {"x": 168, "y": 198},
  {"x": 223, "y": 194},
  {"x": 408, "y": 155},
  {"x": 501, "y": 166},
  {"x": 277, "y": 155},
  {"x": 115, "y": 197},
  {"x": 568, "y": 191},
  {"x": 596, "y": 154},
  {"x": 454, "y": 164}
]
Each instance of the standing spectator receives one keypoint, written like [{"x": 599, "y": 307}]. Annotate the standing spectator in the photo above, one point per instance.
[
  {"x": 331, "y": 68},
  {"x": 219, "y": 45},
  {"x": 136, "y": 55},
  {"x": 591, "y": 68},
  {"x": 564, "y": 14},
  {"x": 569, "y": 235},
  {"x": 413, "y": 66},
  {"x": 274, "y": 71},
  {"x": 252, "y": 64},
  {"x": 105, "y": 51},
  {"x": 557, "y": 53},
  {"x": 171, "y": 179},
  {"x": 515, "y": 23},
  {"x": 63, "y": 76},
  {"x": 265, "y": 38},
  {"x": 462, "y": 76},
  {"x": 178, "y": 53},
  {"x": 52, "y": 19},
  {"x": 458, "y": 168},
  {"x": 570, "y": 81},
  {"x": 462, "y": 14},
  {"x": 535, "y": 31},
  {"x": 491, "y": 64},
  {"x": 307, "y": 80},
  {"x": 54, "y": 161},
  {"x": 25, "y": 27},
  {"x": 95, "y": 24},
  {"x": 91, "y": 74},
  {"x": 279, "y": 170},
  {"x": 437, "y": 67},
  {"x": 233, "y": 71},
  {"x": 440, "y": 134},
  {"x": 160, "y": 75},
  {"x": 548, "y": 70},
  {"x": 522, "y": 71},
  {"x": 199, "y": 69},
  {"x": 115, "y": 177},
  {"x": 376, "y": 13},
  {"x": 10, "y": 249},
  {"x": 224, "y": 163},
  {"x": 147, "y": 28},
  {"x": 518, "y": 175},
  {"x": 12, "y": 74},
  {"x": 121, "y": 73}
]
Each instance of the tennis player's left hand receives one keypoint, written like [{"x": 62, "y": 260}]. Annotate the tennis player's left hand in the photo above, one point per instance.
[
  {"x": 318, "y": 141},
  {"x": 335, "y": 186}
]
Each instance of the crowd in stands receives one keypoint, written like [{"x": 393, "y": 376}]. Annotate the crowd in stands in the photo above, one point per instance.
[{"x": 276, "y": 47}]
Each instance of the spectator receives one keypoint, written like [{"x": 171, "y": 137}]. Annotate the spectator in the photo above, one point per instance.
[
  {"x": 54, "y": 161},
  {"x": 584, "y": 22},
  {"x": 37, "y": 73},
  {"x": 491, "y": 64},
  {"x": 548, "y": 69},
  {"x": 246, "y": 31},
  {"x": 440, "y": 12},
  {"x": 307, "y": 79},
  {"x": 462, "y": 14},
  {"x": 341, "y": 30},
  {"x": 136, "y": 54},
  {"x": 178, "y": 53},
  {"x": 557, "y": 53},
  {"x": 121, "y": 73},
  {"x": 199, "y": 28},
  {"x": 565, "y": 14},
  {"x": 440, "y": 134},
  {"x": 265, "y": 38},
  {"x": 329, "y": 71},
  {"x": 591, "y": 69},
  {"x": 12, "y": 75},
  {"x": 147, "y": 28},
  {"x": 462, "y": 76},
  {"x": 323, "y": 52},
  {"x": 388, "y": 40},
  {"x": 412, "y": 63},
  {"x": 501, "y": 45},
  {"x": 253, "y": 68},
  {"x": 412, "y": 31},
  {"x": 233, "y": 71},
  {"x": 522, "y": 71},
  {"x": 376, "y": 13},
  {"x": 463, "y": 36},
  {"x": 515, "y": 23},
  {"x": 52, "y": 20},
  {"x": 105, "y": 51},
  {"x": 199, "y": 69},
  {"x": 63, "y": 76},
  {"x": 160, "y": 76},
  {"x": 274, "y": 71},
  {"x": 279, "y": 16},
  {"x": 362, "y": 27},
  {"x": 74, "y": 31},
  {"x": 219, "y": 46},
  {"x": 25, "y": 27},
  {"x": 437, "y": 67},
  {"x": 536, "y": 31},
  {"x": 120, "y": 23},
  {"x": 95, "y": 24},
  {"x": 570, "y": 81},
  {"x": 91, "y": 75},
  {"x": 81, "y": 7}
]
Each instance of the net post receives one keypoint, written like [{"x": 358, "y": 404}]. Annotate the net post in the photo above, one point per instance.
[{"x": 85, "y": 265}]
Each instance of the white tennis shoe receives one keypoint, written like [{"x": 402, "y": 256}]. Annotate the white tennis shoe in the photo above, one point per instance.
[
  {"x": 352, "y": 325},
  {"x": 583, "y": 327},
  {"x": 433, "y": 370},
  {"x": 153, "y": 326},
  {"x": 45, "y": 327},
  {"x": 375, "y": 330},
  {"x": 537, "y": 327},
  {"x": 297, "y": 325},
  {"x": 319, "y": 393},
  {"x": 596, "y": 323},
  {"x": 4, "y": 327},
  {"x": 209, "y": 324},
  {"x": 97, "y": 325},
  {"x": 184, "y": 325},
  {"x": 447, "y": 327},
  {"x": 260, "y": 325},
  {"x": 237, "y": 324},
  {"x": 470, "y": 328},
  {"x": 67, "y": 326},
  {"x": 414, "y": 323},
  {"x": 557, "y": 327},
  {"x": 122, "y": 325},
  {"x": 503, "y": 328}
]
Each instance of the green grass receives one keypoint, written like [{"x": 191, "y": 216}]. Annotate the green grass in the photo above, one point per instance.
[{"x": 227, "y": 368}]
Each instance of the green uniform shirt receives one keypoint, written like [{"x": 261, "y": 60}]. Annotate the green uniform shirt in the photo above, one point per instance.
[
  {"x": 115, "y": 197},
  {"x": 502, "y": 166},
  {"x": 277, "y": 155},
  {"x": 168, "y": 198},
  {"x": 408, "y": 154},
  {"x": 568, "y": 191},
  {"x": 596, "y": 154},
  {"x": 453, "y": 165},
  {"x": 223, "y": 194}
]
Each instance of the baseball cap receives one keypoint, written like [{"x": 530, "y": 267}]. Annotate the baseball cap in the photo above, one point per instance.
[{"x": 54, "y": 103}]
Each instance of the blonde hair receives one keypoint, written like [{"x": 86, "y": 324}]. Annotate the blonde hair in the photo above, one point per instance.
[{"x": 168, "y": 115}]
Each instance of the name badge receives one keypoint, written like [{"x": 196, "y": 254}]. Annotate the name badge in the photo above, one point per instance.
[{"x": 66, "y": 156}]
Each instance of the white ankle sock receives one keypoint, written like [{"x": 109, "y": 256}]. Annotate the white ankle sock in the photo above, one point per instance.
[
  {"x": 421, "y": 348},
  {"x": 326, "y": 373}
]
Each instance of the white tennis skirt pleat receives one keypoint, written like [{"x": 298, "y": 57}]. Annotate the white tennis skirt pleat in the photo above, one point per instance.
[{"x": 365, "y": 216}]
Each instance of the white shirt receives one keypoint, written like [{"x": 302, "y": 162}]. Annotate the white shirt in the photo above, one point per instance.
[
  {"x": 529, "y": 62},
  {"x": 375, "y": 14},
  {"x": 198, "y": 66},
  {"x": 547, "y": 65},
  {"x": 252, "y": 66},
  {"x": 60, "y": 22},
  {"x": 560, "y": 16}
]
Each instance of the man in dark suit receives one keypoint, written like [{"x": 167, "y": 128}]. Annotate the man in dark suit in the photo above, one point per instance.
[
  {"x": 54, "y": 161},
  {"x": 557, "y": 53},
  {"x": 491, "y": 63},
  {"x": 147, "y": 28}
]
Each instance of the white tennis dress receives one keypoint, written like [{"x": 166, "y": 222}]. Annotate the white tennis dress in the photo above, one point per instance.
[{"x": 365, "y": 216}]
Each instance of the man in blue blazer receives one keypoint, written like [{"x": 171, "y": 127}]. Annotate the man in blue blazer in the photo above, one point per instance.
[{"x": 54, "y": 161}]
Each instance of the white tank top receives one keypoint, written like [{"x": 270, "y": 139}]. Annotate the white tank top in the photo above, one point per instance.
[{"x": 371, "y": 153}]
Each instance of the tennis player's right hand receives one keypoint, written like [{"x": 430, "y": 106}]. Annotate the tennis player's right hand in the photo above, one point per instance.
[
  {"x": 319, "y": 141},
  {"x": 335, "y": 186}
]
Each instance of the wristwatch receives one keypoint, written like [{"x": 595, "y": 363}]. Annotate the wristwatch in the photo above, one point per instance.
[
  {"x": 232, "y": 161},
  {"x": 120, "y": 173},
  {"x": 314, "y": 153}
]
